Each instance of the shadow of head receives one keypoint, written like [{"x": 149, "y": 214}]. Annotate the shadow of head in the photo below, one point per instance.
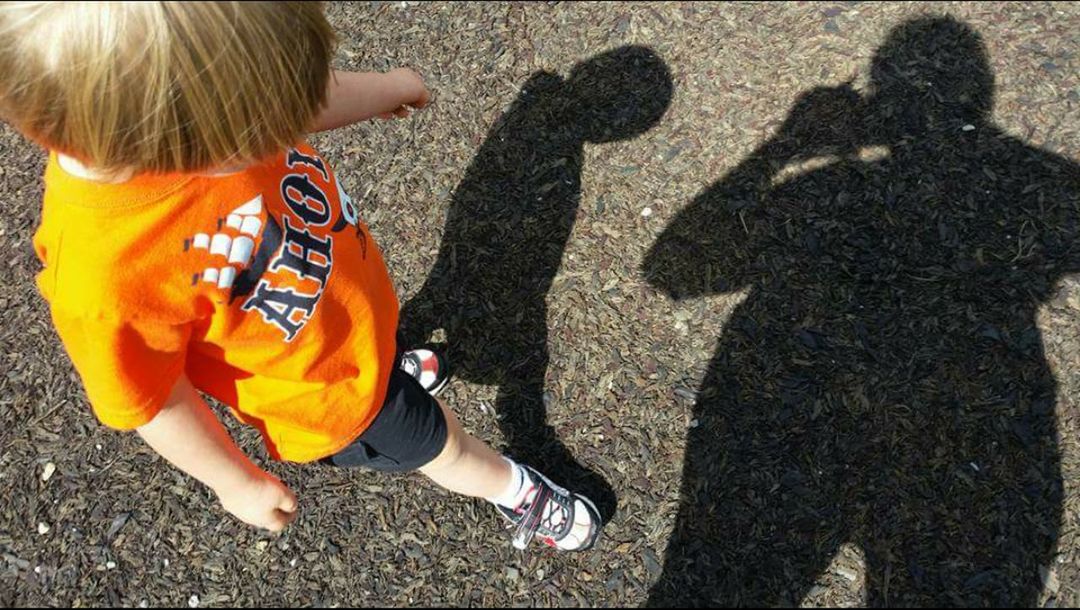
[
  {"x": 931, "y": 73},
  {"x": 617, "y": 95}
]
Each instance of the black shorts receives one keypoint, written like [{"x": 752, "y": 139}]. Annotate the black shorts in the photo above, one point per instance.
[{"x": 409, "y": 432}]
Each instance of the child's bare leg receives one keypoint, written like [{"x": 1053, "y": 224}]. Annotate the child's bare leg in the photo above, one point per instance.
[
  {"x": 536, "y": 506},
  {"x": 466, "y": 465}
]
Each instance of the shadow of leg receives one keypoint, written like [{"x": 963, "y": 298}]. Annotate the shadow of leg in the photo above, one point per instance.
[
  {"x": 762, "y": 502},
  {"x": 746, "y": 548},
  {"x": 523, "y": 419}
]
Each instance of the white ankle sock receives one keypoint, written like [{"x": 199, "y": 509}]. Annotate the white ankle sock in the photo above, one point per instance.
[
  {"x": 516, "y": 489},
  {"x": 520, "y": 490}
]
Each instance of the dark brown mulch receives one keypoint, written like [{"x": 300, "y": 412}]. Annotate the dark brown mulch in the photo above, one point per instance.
[{"x": 816, "y": 348}]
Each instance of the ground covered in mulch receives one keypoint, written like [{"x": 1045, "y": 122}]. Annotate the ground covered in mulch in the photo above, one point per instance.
[{"x": 791, "y": 289}]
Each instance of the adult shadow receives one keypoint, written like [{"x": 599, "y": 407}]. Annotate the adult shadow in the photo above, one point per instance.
[
  {"x": 883, "y": 383},
  {"x": 503, "y": 242}
]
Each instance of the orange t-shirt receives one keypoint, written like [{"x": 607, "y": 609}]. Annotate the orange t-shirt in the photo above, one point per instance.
[{"x": 263, "y": 286}]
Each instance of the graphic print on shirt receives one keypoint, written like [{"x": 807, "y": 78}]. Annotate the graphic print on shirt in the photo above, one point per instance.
[
  {"x": 234, "y": 247},
  {"x": 350, "y": 215},
  {"x": 291, "y": 266}
]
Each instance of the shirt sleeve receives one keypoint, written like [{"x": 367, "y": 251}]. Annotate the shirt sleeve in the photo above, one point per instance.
[{"x": 128, "y": 368}]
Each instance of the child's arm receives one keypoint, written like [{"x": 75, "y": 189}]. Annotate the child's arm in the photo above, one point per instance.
[
  {"x": 187, "y": 433},
  {"x": 358, "y": 96}
]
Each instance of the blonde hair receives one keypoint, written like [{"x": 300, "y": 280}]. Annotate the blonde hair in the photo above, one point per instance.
[{"x": 163, "y": 86}]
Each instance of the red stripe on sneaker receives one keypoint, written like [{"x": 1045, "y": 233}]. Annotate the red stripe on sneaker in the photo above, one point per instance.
[{"x": 431, "y": 365}]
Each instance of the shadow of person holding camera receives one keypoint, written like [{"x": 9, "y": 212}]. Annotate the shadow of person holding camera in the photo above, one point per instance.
[{"x": 883, "y": 383}]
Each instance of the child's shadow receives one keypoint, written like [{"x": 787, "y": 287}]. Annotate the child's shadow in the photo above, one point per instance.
[
  {"x": 884, "y": 382},
  {"x": 503, "y": 243}
]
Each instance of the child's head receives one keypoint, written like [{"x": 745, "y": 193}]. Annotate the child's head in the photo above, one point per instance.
[{"x": 163, "y": 86}]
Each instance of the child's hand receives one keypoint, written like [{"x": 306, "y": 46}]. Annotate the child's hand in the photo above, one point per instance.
[
  {"x": 415, "y": 93},
  {"x": 263, "y": 502}
]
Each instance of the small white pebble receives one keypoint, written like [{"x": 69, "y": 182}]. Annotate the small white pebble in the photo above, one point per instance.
[
  {"x": 646, "y": 212},
  {"x": 261, "y": 545},
  {"x": 694, "y": 423},
  {"x": 974, "y": 466},
  {"x": 37, "y": 570},
  {"x": 144, "y": 604},
  {"x": 98, "y": 447},
  {"x": 166, "y": 562},
  {"x": 43, "y": 528},
  {"x": 110, "y": 565},
  {"x": 293, "y": 562},
  {"x": 47, "y": 474},
  {"x": 193, "y": 601},
  {"x": 847, "y": 573},
  {"x": 968, "y": 127}
]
